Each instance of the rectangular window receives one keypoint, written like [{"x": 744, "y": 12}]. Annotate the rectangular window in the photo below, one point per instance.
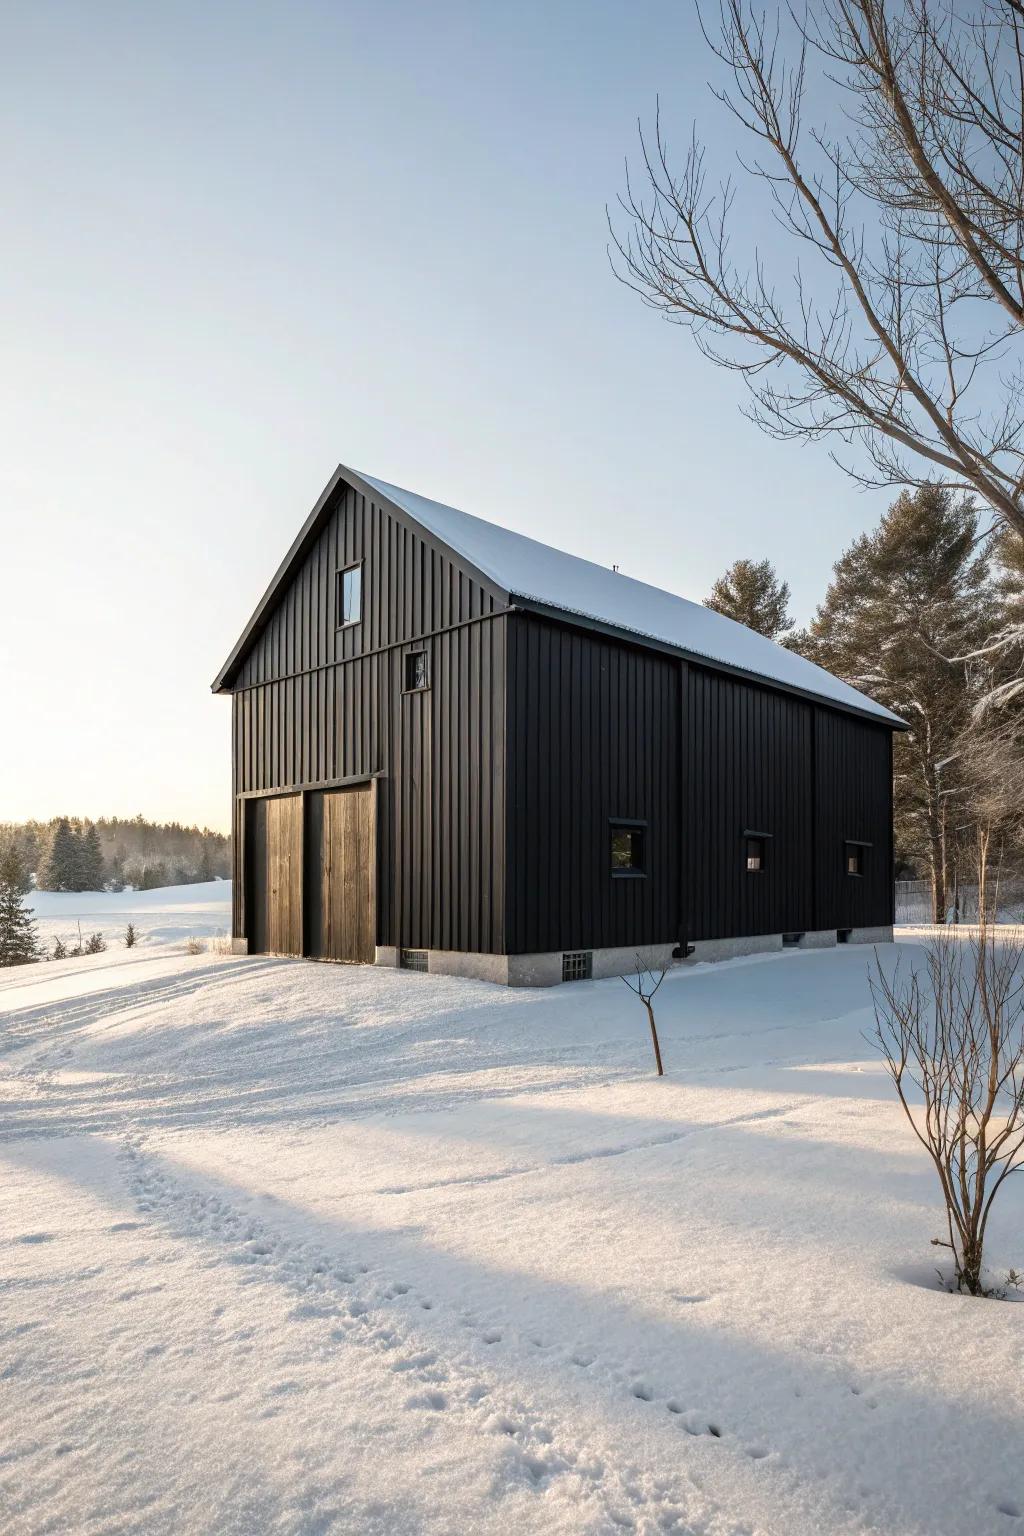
[
  {"x": 855, "y": 858},
  {"x": 755, "y": 855},
  {"x": 417, "y": 674},
  {"x": 348, "y": 597},
  {"x": 627, "y": 847}
]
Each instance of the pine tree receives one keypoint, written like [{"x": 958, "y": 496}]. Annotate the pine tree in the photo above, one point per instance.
[
  {"x": 905, "y": 606},
  {"x": 18, "y": 944},
  {"x": 751, "y": 593},
  {"x": 61, "y": 868},
  {"x": 91, "y": 870}
]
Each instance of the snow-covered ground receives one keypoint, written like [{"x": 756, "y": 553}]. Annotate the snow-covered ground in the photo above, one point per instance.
[
  {"x": 308, "y": 1248},
  {"x": 161, "y": 917}
]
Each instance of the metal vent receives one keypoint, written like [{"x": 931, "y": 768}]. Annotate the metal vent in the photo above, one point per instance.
[
  {"x": 843, "y": 935},
  {"x": 791, "y": 940},
  {"x": 413, "y": 959},
  {"x": 577, "y": 965}
]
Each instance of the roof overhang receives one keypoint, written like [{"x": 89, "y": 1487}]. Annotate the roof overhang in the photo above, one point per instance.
[{"x": 889, "y": 722}]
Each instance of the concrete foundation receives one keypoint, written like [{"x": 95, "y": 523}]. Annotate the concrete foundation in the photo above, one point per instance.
[
  {"x": 545, "y": 970},
  {"x": 821, "y": 938},
  {"x": 538, "y": 970},
  {"x": 239, "y": 946}
]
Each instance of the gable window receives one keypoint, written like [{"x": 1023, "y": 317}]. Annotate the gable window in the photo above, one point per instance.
[
  {"x": 627, "y": 847},
  {"x": 348, "y": 596},
  {"x": 853, "y": 857},
  {"x": 417, "y": 672},
  {"x": 755, "y": 851}
]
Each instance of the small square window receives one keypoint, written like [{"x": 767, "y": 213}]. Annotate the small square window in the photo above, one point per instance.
[
  {"x": 755, "y": 854},
  {"x": 348, "y": 599},
  {"x": 854, "y": 859},
  {"x": 627, "y": 848},
  {"x": 417, "y": 673}
]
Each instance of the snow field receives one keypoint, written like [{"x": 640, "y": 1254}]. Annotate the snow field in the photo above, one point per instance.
[{"x": 305, "y": 1248}]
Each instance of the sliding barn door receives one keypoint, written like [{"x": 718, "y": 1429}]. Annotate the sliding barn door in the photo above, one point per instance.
[
  {"x": 340, "y": 875},
  {"x": 274, "y": 875}
]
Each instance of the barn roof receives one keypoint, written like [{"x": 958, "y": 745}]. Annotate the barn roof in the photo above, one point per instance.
[{"x": 535, "y": 575}]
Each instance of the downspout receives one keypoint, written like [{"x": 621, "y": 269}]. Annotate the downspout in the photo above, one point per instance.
[{"x": 684, "y": 948}]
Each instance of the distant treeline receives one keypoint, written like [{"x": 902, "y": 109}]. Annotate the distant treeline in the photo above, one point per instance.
[{"x": 72, "y": 853}]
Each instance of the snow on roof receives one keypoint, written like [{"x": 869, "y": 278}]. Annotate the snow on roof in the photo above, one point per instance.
[{"x": 525, "y": 568}]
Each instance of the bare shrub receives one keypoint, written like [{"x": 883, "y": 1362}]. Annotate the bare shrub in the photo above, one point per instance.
[
  {"x": 645, "y": 981},
  {"x": 958, "y": 1038},
  {"x": 194, "y": 946}
]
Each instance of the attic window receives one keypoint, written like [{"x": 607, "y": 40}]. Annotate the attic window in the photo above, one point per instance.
[
  {"x": 417, "y": 673},
  {"x": 348, "y": 596}
]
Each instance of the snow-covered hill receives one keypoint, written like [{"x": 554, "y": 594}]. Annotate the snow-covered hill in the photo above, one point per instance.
[
  {"x": 162, "y": 916},
  {"x": 307, "y": 1248}
]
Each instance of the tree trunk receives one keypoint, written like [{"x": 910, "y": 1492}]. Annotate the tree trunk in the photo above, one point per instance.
[
  {"x": 654, "y": 1037},
  {"x": 938, "y": 873}
]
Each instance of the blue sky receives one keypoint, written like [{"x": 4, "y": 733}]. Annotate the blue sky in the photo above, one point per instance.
[{"x": 244, "y": 242}]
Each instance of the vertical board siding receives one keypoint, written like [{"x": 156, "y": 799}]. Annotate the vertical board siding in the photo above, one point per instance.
[
  {"x": 748, "y": 767},
  {"x": 590, "y": 738},
  {"x": 409, "y": 589},
  {"x": 854, "y": 800},
  {"x": 312, "y": 705}
]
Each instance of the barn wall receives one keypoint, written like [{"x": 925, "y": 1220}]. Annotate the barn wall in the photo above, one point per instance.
[
  {"x": 853, "y": 787},
  {"x": 313, "y": 705},
  {"x": 600, "y": 728},
  {"x": 749, "y": 766},
  {"x": 592, "y": 735}
]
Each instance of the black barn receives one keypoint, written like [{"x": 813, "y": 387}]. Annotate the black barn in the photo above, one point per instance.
[{"x": 459, "y": 750}]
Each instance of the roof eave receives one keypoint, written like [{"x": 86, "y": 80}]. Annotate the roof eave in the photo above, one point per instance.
[{"x": 617, "y": 631}]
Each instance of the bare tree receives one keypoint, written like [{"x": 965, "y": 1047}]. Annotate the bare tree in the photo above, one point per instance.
[
  {"x": 645, "y": 981},
  {"x": 958, "y": 1038},
  {"x": 898, "y": 326}
]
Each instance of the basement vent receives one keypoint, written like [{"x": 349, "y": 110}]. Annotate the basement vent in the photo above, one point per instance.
[
  {"x": 577, "y": 965},
  {"x": 843, "y": 935},
  {"x": 791, "y": 940},
  {"x": 412, "y": 959}
]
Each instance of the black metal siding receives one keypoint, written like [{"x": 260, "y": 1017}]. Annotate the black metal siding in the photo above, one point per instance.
[
  {"x": 749, "y": 767},
  {"x": 853, "y": 784},
  {"x": 591, "y": 736},
  {"x": 314, "y": 705}
]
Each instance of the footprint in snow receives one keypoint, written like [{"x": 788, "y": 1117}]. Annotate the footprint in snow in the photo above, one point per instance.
[
  {"x": 491, "y": 1336},
  {"x": 582, "y": 1360},
  {"x": 36, "y": 1237},
  {"x": 1009, "y": 1507},
  {"x": 432, "y": 1400},
  {"x": 641, "y": 1390},
  {"x": 416, "y": 1362}
]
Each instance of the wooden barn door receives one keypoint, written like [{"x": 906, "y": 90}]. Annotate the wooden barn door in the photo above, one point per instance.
[
  {"x": 340, "y": 874},
  {"x": 274, "y": 875}
]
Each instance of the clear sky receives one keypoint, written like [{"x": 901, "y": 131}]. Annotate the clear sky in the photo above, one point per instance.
[{"x": 244, "y": 242}]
